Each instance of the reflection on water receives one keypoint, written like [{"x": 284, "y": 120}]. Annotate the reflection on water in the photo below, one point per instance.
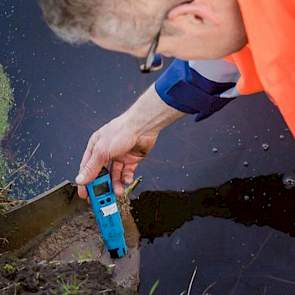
[
  {"x": 202, "y": 228},
  {"x": 263, "y": 200}
]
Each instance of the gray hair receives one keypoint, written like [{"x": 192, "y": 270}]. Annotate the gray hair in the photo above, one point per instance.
[{"x": 129, "y": 22}]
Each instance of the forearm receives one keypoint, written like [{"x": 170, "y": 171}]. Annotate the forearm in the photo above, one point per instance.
[{"x": 150, "y": 113}]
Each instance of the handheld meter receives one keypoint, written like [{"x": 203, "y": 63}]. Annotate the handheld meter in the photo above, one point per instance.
[{"x": 107, "y": 214}]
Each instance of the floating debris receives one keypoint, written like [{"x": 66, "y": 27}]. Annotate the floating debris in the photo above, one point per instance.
[
  {"x": 289, "y": 181},
  {"x": 246, "y": 198},
  {"x": 245, "y": 164},
  {"x": 265, "y": 146},
  {"x": 282, "y": 136},
  {"x": 215, "y": 150}
]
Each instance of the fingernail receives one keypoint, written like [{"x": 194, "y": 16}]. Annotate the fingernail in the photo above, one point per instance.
[{"x": 80, "y": 178}]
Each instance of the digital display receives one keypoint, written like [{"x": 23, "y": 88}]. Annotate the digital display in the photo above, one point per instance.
[{"x": 101, "y": 189}]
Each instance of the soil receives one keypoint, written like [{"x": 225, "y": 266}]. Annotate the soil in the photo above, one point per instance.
[
  {"x": 72, "y": 260},
  {"x": 31, "y": 277}
]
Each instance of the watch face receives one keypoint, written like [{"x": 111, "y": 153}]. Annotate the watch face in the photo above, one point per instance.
[{"x": 101, "y": 189}]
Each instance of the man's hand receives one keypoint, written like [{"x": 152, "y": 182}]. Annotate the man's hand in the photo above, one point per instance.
[
  {"x": 126, "y": 140},
  {"x": 118, "y": 142}
]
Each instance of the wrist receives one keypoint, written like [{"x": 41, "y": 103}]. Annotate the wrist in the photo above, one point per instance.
[
  {"x": 149, "y": 114},
  {"x": 138, "y": 124}
]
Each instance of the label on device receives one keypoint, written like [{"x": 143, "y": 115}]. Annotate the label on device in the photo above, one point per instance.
[{"x": 109, "y": 210}]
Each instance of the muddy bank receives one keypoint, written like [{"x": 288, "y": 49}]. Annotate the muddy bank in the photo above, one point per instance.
[
  {"x": 30, "y": 277},
  {"x": 72, "y": 257}
]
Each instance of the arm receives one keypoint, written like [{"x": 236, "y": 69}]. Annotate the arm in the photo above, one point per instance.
[
  {"x": 185, "y": 87},
  {"x": 126, "y": 140},
  {"x": 150, "y": 113}
]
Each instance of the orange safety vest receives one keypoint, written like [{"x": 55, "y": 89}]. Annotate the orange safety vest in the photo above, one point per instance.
[{"x": 267, "y": 63}]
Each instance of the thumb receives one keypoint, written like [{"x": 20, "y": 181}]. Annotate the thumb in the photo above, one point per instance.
[{"x": 91, "y": 169}]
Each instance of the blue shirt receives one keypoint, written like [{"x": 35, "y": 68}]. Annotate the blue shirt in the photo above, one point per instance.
[{"x": 198, "y": 87}]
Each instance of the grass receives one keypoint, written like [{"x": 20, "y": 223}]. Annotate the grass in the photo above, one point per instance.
[
  {"x": 154, "y": 288},
  {"x": 71, "y": 287},
  {"x": 26, "y": 180},
  {"x": 6, "y": 102},
  {"x": 8, "y": 268}
]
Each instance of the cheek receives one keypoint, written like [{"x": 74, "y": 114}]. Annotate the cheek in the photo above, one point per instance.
[{"x": 113, "y": 46}]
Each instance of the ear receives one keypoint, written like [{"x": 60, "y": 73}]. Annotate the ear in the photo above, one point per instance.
[{"x": 200, "y": 10}]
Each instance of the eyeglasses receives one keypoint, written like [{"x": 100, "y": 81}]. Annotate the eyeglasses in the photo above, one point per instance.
[{"x": 153, "y": 61}]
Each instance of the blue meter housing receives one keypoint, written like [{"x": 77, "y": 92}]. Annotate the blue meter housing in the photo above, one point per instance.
[{"x": 107, "y": 214}]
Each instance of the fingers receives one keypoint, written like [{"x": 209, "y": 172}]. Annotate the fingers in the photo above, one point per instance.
[
  {"x": 87, "y": 154},
  {"x": 82, "y": 192},
  {"x": 93, "y": 165},
  {"x": 121, "y": 175},
  {"x": 128, "y": 173},
  {"x": 116, "y": 172}
]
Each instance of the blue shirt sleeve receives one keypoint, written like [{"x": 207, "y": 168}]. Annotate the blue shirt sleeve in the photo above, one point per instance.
[{"x": 186, "y": 90}]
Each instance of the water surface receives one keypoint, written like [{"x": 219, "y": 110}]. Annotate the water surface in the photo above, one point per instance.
[{"x": 63, "y": 93}]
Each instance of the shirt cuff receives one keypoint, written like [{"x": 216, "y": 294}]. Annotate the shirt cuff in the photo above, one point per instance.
[{"x": 184, "y": 89}]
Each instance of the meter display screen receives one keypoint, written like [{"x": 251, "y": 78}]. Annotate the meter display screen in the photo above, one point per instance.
[{"x": 101, "y": 189}]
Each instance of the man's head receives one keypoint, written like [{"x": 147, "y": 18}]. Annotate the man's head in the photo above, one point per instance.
[{"x": 198, "y": 29}]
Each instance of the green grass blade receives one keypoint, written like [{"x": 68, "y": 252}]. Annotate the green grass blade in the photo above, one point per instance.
[{"x": 154, "y": 287}]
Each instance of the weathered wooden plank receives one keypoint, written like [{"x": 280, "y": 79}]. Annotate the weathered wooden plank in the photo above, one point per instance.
[{"x": 24, "y": 226}]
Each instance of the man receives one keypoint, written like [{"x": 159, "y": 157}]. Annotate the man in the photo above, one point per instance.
[{"x": 201, "y": 34}]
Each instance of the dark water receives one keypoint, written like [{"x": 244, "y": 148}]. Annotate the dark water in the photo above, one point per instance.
[
  {"x": 64, "y": 93},
  {"x": 240, "y": 236}
]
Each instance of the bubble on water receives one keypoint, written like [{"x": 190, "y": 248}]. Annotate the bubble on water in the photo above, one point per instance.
[
  {"x": 289, "y": 180},
  {"x": 265, "y": 146},
  {"x": 282, "y": 136},
  {"x": 246, "y": 198},
  {"x": 255, "y": 136},
  {"x": 245, "y": 164},
  {"x": 215, "y": 150},
  {"x": 177, "y": 243}
]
